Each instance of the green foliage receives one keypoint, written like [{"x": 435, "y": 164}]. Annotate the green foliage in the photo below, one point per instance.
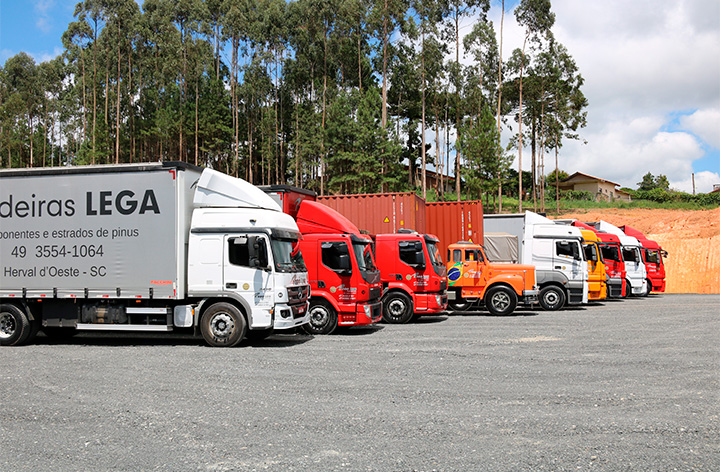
[
  {"x": 582, "y": 195},
  {"x": 650, "y": 182}
]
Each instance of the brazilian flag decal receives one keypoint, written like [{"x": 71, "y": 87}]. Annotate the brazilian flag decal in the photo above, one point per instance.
[{"x": 455, "y": 273}]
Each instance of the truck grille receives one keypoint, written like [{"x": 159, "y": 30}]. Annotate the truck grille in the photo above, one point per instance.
[
  {"x": 443, "y": 285},
  {"x": 298, "y": 294},
  {"x": 375, "y": 293}
]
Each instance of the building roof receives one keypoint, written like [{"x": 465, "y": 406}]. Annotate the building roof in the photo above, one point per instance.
[{"x": 587, "y": 177}]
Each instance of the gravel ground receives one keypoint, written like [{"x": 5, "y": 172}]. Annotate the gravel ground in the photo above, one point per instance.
[{"x": 621, "y": 385}]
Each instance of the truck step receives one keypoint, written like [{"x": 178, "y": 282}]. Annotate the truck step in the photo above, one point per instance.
[{"x": 122, "y": 327}]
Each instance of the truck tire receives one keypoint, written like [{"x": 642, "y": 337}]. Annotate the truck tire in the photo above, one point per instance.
[
  {"x": 648, "y": 289},
  {"x": 323, "y": 318},
  {"x": 14, "y": 325},
  {"x": 552, "y": 298},
  {"x": 397, "y": 308},
  {"x": 222, "y": 325},
  {"x": 500, "y": 300}
]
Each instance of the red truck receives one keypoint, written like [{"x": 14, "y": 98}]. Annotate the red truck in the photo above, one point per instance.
[
  {"x": 345, "y": 285},
  {"x": 653, "y": 256},
  {"x": 612, "y": 256},
  {"x": 414, "y": 277}
]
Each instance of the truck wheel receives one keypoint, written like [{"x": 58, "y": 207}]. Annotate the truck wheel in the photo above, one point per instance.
[
  {"x": 14, "y": 325},
  {"x": 222, "y": 325},
  {"x": 552, "y": 298},
  {"x": 628, "y": 290},
  {"x": 500, "y": 300},
  {"x": 648, "y": 289},
  {"x": 323, "y": 318},
  {"x": 397, "y": 308}
]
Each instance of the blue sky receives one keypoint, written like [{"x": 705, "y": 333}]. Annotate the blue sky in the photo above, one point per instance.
[{"x": 651, "y": 69}]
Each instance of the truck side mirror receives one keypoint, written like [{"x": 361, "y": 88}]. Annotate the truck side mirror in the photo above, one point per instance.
[
  {"x": 419, "y": 261},
  {"x": 257, "y": 252},
  {"x": 344, "y": 267}
]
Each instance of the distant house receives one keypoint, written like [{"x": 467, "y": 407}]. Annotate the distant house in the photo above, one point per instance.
[
  {"x": 716, "y": 188},
  {"x": 601, "y": 189}
]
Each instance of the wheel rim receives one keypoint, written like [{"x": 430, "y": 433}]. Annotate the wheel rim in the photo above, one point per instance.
[
  {"x": 500, "y": 301},
  {"x": 7, "y": 325},
  {"x": 396, "y": 308},
  {"x": 551, "y": 298},
  {"x": 319, "y": 316},
  {"x": 222, "y": 325}
]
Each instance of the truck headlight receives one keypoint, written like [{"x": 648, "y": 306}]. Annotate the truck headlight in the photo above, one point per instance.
[
  {"x": 438, "y": 299},
  {"x": 368, "y": 310}
]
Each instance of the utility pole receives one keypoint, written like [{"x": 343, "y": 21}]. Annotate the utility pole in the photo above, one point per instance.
[{"x": 693, "y": 179}]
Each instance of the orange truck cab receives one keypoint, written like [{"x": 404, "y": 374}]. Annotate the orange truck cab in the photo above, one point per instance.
[
  {"x": 414, "y": 277},
  {"x": 597, "y": 277},
  {"x": 473, "y": 280},
  {"x": 345, "y": 286}
]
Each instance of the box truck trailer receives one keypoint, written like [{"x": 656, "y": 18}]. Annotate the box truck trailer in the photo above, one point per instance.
[
  {"x": 145, "y": 247},
  {"x": 555, "y": 251}
]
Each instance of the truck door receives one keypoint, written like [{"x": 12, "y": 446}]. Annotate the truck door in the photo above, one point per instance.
[
  {"x": 246, "y": 272},
  {"x": 569, "y": 260},
  {"x": 473, "y": 268},
  {"x": 336, "y": 271}
]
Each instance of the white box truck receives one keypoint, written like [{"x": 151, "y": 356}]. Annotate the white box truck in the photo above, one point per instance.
[
  {"x": 636, "y": 272},
  {"x": 145, "y": 247},
  {"x": 554, "y": 250}
]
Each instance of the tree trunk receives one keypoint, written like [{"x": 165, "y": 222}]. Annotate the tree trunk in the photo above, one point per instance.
[{"x": 502, "y": 18}]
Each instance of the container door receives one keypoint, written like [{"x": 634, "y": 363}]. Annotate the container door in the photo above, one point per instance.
[{"x": 246, "y": 268}]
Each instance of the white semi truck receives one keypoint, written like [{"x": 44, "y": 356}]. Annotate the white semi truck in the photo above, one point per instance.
[
  {"x": 636, "y": 272},
  {"x": 555, "y": 251},
  {"x": 145, "y": 247}
]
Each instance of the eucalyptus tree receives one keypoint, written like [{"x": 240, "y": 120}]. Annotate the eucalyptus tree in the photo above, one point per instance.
[
  {"x": 24, "y": 98},
  {"x": 385, "y": 18},
  {"x": 430, "y": 14},
  {"x": 537, "y": 20},
  {"x": 460, "y": 9}
]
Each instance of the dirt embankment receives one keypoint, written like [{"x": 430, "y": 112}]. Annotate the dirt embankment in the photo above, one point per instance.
[{"x": 691, "y": 237}]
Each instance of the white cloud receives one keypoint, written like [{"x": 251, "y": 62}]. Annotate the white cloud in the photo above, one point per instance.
[
  {"x": 705, "y": 124},
  {"x": 644, "y": 62},
  {"x": 43, "y": 19}
]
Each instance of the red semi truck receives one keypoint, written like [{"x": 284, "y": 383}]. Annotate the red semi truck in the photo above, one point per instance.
[
  {"x": 612, "y": 256},
  {"x": 414, "y": 277},
  {"x": 652, "y": 255},
  {"x": 344, "y": 281}
]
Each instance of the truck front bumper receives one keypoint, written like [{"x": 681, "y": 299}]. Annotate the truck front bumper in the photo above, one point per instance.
[
  {"x": 433, "y": 302},
  {"x": 365, "y": 314},
  {"x": 290, "y": 316},
  {"x": 614, "y": 287}
]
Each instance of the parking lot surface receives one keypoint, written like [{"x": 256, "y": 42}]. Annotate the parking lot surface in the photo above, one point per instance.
[{"x": 619, "y": 385}]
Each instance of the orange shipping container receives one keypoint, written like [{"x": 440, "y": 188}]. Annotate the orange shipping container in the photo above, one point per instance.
[
  {"x": 455, "y": 221},
  {"x": 380, "y": 213}
]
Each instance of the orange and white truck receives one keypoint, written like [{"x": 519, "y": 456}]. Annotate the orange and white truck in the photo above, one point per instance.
[{"x": 474, "y": 281}]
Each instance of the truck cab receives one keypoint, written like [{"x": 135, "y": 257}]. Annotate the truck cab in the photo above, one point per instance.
[
  {"x": 636, "y": 273},
  {"x": 611, "y": 252},
  {"x": 653, "y": 256},
  {"x": 345, "y": 283},
  {"x": 414, "y": 277},
  {"x": 473, "y": 280},
  {"x": 555, "y": 251},
  {"x": 597, "y": 277}
]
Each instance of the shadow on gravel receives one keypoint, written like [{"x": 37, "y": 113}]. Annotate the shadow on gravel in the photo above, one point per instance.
[
  {"x": 121, "y": 339},
  {"x": 430, "y": 319},
  {"x": 279, "y": 341},
  {"x": 486, "y": 314}
]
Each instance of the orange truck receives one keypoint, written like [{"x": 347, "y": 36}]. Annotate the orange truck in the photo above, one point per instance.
[
  {"x": 597, "y": 276},
  {"x": 474, "y": 281}
]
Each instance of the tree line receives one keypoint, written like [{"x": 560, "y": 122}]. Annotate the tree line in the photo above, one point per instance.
[{"x": 337, "y": 96}]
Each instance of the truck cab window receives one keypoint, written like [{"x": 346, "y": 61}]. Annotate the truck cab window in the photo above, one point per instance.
[
  {"x": 567, "y": 249},
  {"x": 457, "y": 255},
  {"x": 239, "y": 252},
  {"x": 331, "y": 253},
  {"x": 408, "y": 251},
  {"x": 473, "y": 255}
]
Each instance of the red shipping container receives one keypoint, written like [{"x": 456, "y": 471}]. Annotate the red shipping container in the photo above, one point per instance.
[
  {"x": 379, "y": 213},
  {"x": 455, "y": 221}
]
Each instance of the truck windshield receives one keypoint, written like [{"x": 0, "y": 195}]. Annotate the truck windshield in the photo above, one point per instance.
[
  {"x": 652, "y": 256},
  {"x": 434, "y": 253},
  {"x": 610, "y": 252},
  {"x": 629, "y": 254},
  {"x": 287, "y": 255},
  {"x": 363, "y": 255}
]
